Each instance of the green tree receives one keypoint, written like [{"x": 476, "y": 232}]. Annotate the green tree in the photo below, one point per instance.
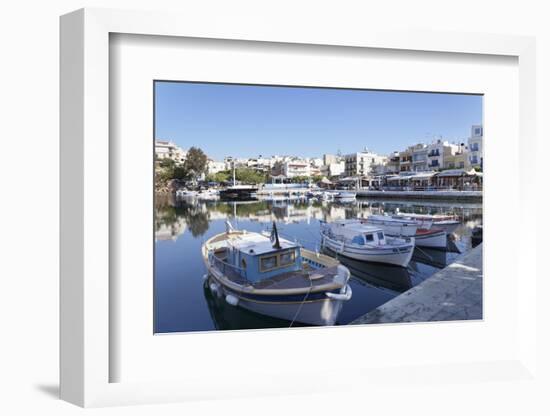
[
  {"x": 195, "y": 163},
  {"x": 222, "y": 176},
  {"x": 251, "y": 176}
]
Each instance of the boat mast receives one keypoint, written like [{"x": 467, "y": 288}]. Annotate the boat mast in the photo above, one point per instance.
[{"x": 275, "y": 237}]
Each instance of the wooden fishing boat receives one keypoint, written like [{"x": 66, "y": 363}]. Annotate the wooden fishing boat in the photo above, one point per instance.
[{"x": 276, "y": 277}]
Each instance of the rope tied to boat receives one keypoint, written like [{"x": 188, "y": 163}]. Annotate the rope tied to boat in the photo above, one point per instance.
[{"x": 303, "y": 300}]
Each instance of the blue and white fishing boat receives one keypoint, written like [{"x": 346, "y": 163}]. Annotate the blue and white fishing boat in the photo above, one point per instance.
[
  {"x": 360, "y": 241},
  {"x": 276, "y": 277}
]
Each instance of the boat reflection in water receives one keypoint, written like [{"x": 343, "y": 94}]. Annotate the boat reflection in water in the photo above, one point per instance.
[{"x": 228, "y": 317}]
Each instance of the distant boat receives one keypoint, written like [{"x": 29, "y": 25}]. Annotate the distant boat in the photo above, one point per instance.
[
  {"x": 239, "y": 192},
  {"x": 447, "y": 222},
  {"x": 276, "y": 277},
  {"x": 354, "y": 239},
  {"x": 425, "y": 235}
]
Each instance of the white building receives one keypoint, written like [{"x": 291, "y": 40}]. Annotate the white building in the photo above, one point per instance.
[
  {"x": 165, "y": 149},
  {"x": 438, "y": 151},
  {"x": 333, "y": 169},
  {"x": 475, "y": 147},
  {"x": 214, "y": 167},
  {"x": 296, "y": 167},
  {"x": 362, "y": 163}
]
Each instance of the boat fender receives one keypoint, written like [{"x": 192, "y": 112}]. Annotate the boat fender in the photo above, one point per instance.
[
  {"x": 205, "y": 277},
  {"x": 345, "y": 296},
  {"x": 232, "y": 300},
  {"x": 214, "y": 287}
]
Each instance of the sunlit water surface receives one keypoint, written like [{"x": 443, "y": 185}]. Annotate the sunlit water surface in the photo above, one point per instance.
[{"x": 184, "y": 303}]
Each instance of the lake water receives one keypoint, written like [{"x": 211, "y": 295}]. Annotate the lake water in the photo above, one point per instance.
[{"x": 184, "y": 303}]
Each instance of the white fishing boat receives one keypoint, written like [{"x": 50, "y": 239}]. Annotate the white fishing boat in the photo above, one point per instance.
[
  {"x": 423, "y": 231},
  {"x": 447, "y": 222},
  {"x": 433, "y": 238},
  {"x": 392, "y": 227},
  {"x": 360, "y": 241},
  {"x": 399, "y": 220},
  {"x": 276, "y": 277}
]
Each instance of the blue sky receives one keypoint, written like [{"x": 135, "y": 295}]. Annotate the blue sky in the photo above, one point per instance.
[{"x": 247, "y": 121}]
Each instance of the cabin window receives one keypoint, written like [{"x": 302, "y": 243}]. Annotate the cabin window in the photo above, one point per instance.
[
  {"x": 369, "y": 237},
  {"x": 380, "y": 236},
  {"x": 287, "y": 258},
  {"x": 268, "y": 263},
  {"x": 358, "y": 239}
]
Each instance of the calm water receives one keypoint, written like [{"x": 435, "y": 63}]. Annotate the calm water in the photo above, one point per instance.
[{"x": 184, "y": 303}]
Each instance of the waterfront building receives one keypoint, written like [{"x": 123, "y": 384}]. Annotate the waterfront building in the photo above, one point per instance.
[
  {"x": 419, "y": 157},
  {"x": 457, "y": 160},
  {"x": 392, "y": 165},
  {"x": 165, "y": 149},
  {"x": 438, "y": 151},
  {"x": 475, "y": 147},
  {"x": 405, "y": 160},
  {"x": 361, "y": 163}
]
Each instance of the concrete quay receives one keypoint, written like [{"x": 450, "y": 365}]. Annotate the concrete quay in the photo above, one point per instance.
[
  {"x": 452, "y": 294},
  {"x": 431, "y": 195}
]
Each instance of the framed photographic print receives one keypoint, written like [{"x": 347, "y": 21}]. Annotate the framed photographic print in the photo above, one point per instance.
[{"x": 243, "y": 213}]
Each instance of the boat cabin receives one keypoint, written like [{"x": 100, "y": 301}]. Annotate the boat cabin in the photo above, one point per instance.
[
  {"x": 256, "y": 258},
  {"x": 359, "y": 233}
]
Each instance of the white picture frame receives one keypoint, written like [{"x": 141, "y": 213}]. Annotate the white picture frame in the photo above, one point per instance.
[{"x": 86, "y": 356}]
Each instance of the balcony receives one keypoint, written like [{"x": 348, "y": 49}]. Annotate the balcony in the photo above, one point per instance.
[{"x": 434, "y": 154}]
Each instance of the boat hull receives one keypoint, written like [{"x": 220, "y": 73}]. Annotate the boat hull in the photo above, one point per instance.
[
  {"x": 401, "y": 258},
  {"x": 321, "y": 311},
  {"x": 435, "y": 239},
  {"x": 448, "y": 226}
]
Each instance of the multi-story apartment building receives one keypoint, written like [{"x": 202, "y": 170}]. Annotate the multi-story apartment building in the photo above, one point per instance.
[
  {"x": 475, "y": 147},
  {"x": 328, "y": 159},
  {"x": 260, "y": 163},
  {"x": 333, "y": 169},
  {"x": 165, "y": 149},
  {"x": 405, "y": 160},
  {"x": 457, "y": 160},
  {"x": 296, "y": 167},
  {"x": 392, "y": 164},
  {"x": 438, "y": 151},
  {"x": 362, "y": 163},
  {"x": 419, "y": 157}
]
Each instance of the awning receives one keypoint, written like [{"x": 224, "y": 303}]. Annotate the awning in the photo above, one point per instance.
[{"x": 455, "y": 172}]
